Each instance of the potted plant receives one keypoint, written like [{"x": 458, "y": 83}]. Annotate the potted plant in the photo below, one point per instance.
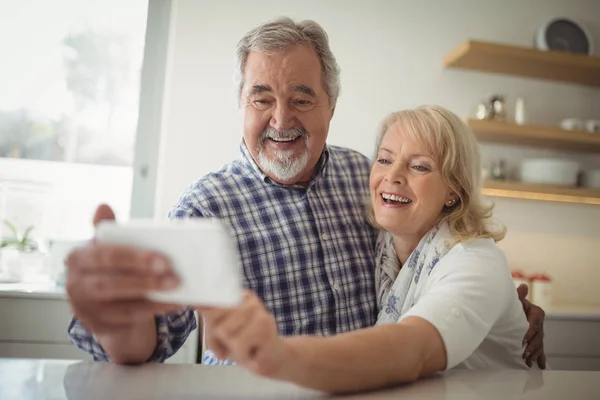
[{"x": 20, "y": 258}]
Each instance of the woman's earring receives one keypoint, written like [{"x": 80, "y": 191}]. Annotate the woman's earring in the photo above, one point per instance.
[{"x": 450, "y": 203}]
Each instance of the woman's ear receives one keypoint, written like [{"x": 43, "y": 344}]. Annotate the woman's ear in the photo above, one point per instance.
[{"x": 452, "y": 199}]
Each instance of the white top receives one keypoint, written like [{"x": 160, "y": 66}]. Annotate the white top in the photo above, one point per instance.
[
  {"x": 468, "y": 294},
  {"x": 472, "y": 301}
]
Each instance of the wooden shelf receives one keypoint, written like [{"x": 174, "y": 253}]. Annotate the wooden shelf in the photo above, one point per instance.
[
  {"x": 518, "y": 190},
  {"x": 534, "y": 135},
  {"x": 525, "y": 61}
]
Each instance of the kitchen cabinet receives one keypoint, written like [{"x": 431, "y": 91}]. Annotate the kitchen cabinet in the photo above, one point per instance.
[
  {"x": 572, "y": 341},
  {"x": 34, "y": 325}
]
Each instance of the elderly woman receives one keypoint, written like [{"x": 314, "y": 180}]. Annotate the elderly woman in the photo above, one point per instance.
[{"x": 446, "y": 297}]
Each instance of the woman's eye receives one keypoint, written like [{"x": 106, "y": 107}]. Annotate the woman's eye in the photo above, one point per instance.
[
  {"x": 420, "y": 168},
  {"x": 383, "y": 161}
]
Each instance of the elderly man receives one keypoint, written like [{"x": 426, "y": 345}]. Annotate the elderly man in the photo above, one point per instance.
[{"x": 294, "y": 204}]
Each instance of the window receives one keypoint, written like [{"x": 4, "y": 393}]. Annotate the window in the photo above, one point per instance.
[{"x": 69, "y": 88}]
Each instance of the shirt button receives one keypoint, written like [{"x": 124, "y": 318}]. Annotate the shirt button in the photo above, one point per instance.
[
  {"x": 336, "y": 287},
  {"x": 325, "y": 236}
]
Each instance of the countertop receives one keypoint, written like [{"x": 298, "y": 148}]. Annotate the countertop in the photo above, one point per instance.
[
  {"x": 54, "y": 379},
  {"x": 49, "y": 290},
  {"x": 42, "y": 290}
]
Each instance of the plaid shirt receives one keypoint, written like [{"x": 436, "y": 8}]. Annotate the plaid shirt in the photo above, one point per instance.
[{"x": 307, "y": 252}]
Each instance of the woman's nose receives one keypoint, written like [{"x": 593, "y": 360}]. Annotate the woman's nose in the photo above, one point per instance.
[{"x": 395, "y": 175}]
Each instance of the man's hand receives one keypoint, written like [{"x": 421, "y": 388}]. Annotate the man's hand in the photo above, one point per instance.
[
  {"x": 107, "y": 285},
  {"x": 534, "y": 338},
  {"x": 246, "y": 334}
]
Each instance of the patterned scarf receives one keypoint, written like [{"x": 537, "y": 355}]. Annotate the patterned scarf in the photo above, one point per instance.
[{"x": 398, "y": 287}]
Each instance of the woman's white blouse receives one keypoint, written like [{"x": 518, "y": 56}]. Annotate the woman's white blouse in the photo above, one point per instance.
[{"x": 470, "y": 298}]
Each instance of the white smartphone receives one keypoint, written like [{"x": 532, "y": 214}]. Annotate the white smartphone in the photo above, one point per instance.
[{"x": 202, "y": 251}]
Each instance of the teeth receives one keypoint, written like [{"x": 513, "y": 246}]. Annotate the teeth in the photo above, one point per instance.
[
  {"x": 395, "y": 198},
  {"x": 284, "y": 139}
]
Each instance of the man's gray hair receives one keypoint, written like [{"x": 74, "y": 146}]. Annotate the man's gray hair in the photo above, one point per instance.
[{"x": 283, "y": 34}]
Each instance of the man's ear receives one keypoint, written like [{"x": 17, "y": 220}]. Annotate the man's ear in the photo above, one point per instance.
[{"x": 332, "y": 113}]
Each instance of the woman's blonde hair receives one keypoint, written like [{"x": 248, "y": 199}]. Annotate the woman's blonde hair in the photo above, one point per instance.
[{"x": 454, "y": 148}]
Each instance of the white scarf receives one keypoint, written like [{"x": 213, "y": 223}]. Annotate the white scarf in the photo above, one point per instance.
[{"x": 399, "y": 287}]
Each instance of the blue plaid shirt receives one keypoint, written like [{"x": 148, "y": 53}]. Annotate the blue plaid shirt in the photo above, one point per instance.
[{"x": 307, "y": 252}]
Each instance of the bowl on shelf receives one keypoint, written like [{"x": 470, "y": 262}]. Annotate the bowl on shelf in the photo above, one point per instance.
[
  {"x": 572, "y": 124},
  {"x": 550, "y": 171}
]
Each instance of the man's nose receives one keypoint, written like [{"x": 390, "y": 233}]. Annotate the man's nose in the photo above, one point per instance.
[{"x": 283, "y": 118}]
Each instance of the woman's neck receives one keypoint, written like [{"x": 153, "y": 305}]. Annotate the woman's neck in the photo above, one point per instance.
[{"x": 405, "y": 245}]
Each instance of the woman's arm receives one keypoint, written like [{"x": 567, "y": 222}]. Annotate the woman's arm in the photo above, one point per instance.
[
  {"x": 364, "y": 359},
  {"x": 360, "y": 360},
  {"x": 467, "y": 295}
]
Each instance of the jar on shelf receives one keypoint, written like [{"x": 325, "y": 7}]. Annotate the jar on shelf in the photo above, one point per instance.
[
  {"x": 520, "y": 278},
  {"x": 499, "y": 171},
  {"x": 541, "y": 290}
]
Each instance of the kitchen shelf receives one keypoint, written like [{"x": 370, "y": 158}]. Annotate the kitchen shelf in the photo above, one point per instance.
[
  {"x": 519, "y": 190},
  {"x": 525, "y": 61},
  {"x": 534, "y": 135}
]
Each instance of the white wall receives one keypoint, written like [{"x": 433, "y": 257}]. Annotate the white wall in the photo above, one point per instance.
[{"x": 390, "y": 53}]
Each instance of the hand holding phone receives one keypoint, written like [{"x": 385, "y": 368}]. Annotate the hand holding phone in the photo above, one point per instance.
[{"x": 203, "y": 254}]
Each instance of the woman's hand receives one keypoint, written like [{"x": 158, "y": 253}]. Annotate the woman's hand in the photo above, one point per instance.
[{"x": 246, "y": 334}]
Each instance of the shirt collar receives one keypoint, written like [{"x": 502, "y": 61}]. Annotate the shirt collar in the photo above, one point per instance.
[{"x": 320, "y": 169}]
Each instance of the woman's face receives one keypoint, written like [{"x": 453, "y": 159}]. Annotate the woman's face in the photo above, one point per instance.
[{"x": 407, "y": 189}]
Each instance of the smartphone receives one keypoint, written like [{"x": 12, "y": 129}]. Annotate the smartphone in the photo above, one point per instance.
[{"x": 203, "y": 252}]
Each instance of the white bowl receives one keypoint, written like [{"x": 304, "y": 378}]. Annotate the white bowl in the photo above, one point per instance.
[
  {"x": 572, "y": 124},
  {"x": 550, "y": 171}
]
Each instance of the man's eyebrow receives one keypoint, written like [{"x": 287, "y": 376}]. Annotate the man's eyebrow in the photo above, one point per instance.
[
  {"x": 260, "y": 89},
  {"x": 304, "y": 89}
]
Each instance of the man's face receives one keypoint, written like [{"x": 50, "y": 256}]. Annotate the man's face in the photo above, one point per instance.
[{"x": 286, "y": 112}]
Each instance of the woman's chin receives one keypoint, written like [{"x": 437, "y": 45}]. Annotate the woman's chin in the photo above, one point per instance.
[{"x": 396, "y": 229}]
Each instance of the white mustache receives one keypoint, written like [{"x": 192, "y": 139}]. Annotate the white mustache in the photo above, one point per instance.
[{"x": 287, "y": 134}]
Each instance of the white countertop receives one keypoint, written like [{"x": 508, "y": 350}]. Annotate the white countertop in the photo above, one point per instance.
[
  {"x": 46, "y": 290},
  {"x": 53, "y": 379}
]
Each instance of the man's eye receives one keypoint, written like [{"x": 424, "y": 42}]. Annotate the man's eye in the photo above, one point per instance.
[
  {"x": 302, "y": 104},
  {"x": 261, "y": 104}
]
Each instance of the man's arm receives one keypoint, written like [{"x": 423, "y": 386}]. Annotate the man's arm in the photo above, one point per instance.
[
  {"x": 534, "y": 337},
  {"x": 150, "y": 341}
]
